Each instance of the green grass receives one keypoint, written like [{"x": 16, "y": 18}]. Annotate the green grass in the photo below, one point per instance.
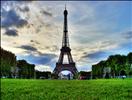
[{"x": 101, "y": 89}]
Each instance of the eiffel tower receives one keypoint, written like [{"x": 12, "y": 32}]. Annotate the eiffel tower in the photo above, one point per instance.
[{"x": 65, "y": 51}]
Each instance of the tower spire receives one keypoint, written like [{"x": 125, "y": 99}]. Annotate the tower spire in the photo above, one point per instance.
[
  {"x": 65, "y": 42},
  {"x": 65, "y": 6}
]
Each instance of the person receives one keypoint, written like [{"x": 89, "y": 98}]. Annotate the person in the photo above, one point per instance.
[
  {"x": 123, "y": 77},
  {"x": 68, "y": 76}
]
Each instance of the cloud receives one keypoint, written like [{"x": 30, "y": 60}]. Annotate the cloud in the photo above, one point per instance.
[
  {"x": 41, "y": 59},
  {"x": 28, "y": 47},
  {"x": 11, "y": 18},
  {"x": 11, "y": 32},
  {"x": 46, "y": 13},
  {"x": 128, "y": 35},
  {"x": 96, "y": 30},
  {"x": 21, "y": 23},
  {"x": 34, "y": 41},
  {"x": 43, "y": 68},
  {"x": 96, "y": 55},
  {"x": 24, "y": 9},
  {"x": 52, "y": 48}
]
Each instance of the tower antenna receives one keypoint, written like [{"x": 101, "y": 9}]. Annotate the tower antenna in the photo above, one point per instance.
[{"x": 65, "y": 6}]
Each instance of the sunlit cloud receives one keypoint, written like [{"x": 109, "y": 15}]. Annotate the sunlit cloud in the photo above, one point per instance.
[{"x": 43, "y": 68}]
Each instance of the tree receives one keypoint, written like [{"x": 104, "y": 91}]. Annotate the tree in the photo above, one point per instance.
[
  {"x": 117, "y": 63},
  {"x": 26, "y": 70},
  {"x": 8, "y": 60}
]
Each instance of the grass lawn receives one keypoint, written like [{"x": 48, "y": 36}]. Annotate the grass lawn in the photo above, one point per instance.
[{"x": 101, "y": 89}]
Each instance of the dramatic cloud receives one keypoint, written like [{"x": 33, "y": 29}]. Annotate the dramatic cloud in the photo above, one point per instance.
[
  {"x": 28, "y": 47},
  {"x": 11, "y": 18},
  {"x": 41, "y": 59},
  {"x": 96, "y": 55},
  {"x": 11, "y": 32},
  {"x": 96, "y": 30},
  {"x": 24, "y": 9},
  {"x": 46, "y": 13}
]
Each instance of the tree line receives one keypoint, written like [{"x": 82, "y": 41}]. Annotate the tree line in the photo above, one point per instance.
[
  {"x": 8, "y": 61},
  {"x": 25, "y": 70},
  {"x": 11, "y": 68},
  {"x": 114, "y": 66}
]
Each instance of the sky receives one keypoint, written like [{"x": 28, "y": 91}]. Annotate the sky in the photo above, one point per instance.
[{"x": 33, "y": 30}]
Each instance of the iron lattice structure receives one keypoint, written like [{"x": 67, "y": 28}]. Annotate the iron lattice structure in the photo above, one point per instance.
[{"x": 65, "y": 51}]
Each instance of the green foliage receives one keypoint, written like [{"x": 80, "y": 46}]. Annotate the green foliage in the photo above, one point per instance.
[
  {"x": 8, "y": 60},
  {"x": 26, "y": 70},
  {"x": 9, "y": 65},
  {"x": 84, "y": 75},
  {"x": 101, "y": 89},
  {"x": 45, "y": 75},
  {"x": 117, "y": 63}
]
